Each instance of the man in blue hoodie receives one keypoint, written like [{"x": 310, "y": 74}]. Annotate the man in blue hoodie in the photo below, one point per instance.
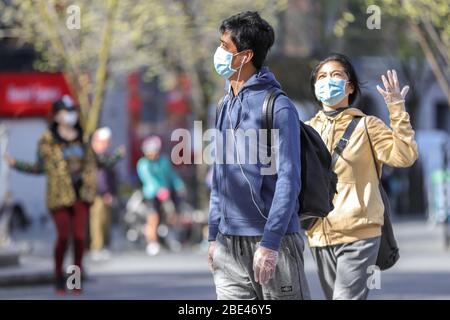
[{"x": 255, "y": 250}]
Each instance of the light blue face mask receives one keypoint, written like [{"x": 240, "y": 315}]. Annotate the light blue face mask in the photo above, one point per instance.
[
  {"x": 330, "y": 91},
  {"x": 222, "y": 63}
]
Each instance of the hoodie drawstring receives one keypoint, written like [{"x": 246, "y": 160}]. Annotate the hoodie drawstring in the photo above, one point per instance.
[{"x": 241, "y": 250}]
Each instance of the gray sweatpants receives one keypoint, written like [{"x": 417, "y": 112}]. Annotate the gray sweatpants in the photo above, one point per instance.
[
  {"x": 234, "y": 276},
  {"x": 344, "y": 268}
]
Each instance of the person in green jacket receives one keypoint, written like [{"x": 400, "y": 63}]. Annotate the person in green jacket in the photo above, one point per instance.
[{"x": 160, "y": 185}]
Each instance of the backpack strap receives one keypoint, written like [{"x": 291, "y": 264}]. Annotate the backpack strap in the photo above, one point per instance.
[
  {"x": 342, "y": 144},
  {"x": 267, "y": 115}
]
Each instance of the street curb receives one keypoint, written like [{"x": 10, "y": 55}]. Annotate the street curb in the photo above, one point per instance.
[
  {"x": 25, "y": 278},
  {"x": 9, "y": 257},
  {"x": 26, "y": 271}
]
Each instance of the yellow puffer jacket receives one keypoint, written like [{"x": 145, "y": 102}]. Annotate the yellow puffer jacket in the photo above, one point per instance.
[{"x": 358, "y": 207}]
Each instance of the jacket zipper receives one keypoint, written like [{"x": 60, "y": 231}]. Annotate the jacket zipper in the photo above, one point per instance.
[{"x": 224, "y": 166}]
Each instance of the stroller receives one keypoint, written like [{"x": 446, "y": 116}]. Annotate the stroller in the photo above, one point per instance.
[{"x": 171, "y": 235}]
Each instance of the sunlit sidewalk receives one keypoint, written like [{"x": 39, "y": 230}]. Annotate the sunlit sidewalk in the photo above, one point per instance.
[{"x": 423, "y": 271}]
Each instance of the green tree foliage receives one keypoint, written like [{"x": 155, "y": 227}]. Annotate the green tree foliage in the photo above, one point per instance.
[{"x": 122, "y": 36}]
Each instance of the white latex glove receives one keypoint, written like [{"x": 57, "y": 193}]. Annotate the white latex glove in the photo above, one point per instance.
[
  {"x": 211, "y": 248},
  {"x": 264, "y": 263},
  {"x": 391, "y": 92}
]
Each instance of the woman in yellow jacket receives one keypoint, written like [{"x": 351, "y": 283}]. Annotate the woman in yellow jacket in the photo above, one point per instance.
[{"x": 346, "y": 243}]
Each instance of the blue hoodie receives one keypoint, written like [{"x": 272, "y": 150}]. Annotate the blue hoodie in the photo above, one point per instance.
[{"x": 232, "y": 211}]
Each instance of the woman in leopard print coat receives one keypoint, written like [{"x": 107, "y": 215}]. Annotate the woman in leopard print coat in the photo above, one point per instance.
[{"x": 70, "y": 167}]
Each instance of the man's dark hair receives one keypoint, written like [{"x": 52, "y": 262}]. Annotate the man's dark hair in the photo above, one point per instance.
[
  {"x": 351, "y": 73},
  {"x": 249, "y": 31}
]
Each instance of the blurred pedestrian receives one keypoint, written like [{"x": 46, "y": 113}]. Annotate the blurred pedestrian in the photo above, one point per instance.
[
  {"x": 12, "y": 216},
  {"x": 70, "y": 167},
  {"x": 346, "y": 242},
  {"x": 6, "y": 213},
  {"x": 100, "y": 212},
  {"x": 161, "y": 185}
]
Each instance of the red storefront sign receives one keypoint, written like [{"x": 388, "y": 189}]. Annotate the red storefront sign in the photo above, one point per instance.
[{"x": 30, "y": 94}]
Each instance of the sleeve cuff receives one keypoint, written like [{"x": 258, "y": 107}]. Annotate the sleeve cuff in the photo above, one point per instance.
[
  {"x": 396, "y": 108},
  {"x": 213, "y": 231},
  {"x": 271, "y": 240}
]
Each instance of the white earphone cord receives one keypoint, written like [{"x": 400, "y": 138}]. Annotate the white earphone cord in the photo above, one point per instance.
[{"x": 237, "y": 150}]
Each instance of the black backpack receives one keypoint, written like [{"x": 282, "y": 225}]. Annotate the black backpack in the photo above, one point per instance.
[{"x": 317, "y": 176}]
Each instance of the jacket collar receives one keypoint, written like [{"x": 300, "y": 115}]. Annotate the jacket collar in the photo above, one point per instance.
[{"x": 350, "y": 112}]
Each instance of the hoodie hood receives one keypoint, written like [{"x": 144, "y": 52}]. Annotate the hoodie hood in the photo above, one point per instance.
[
  {"x": 263, "y": 79},
  {"x": 327, "y": 125}
]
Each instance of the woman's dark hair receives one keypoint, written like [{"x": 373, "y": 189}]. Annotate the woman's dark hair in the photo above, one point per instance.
[
  {"x": 64, "y": 103},
  {"x": 53, "y": 125},
  {"x": 249, "y": 31},
  {"x": 353, "y": 78}
]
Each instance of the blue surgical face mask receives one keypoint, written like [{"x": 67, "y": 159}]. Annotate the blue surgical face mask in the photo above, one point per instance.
[
  {"x": 70, "y": 118},
  {"x": 222, "y": 62},
  {"x": 330, "y": 91}
]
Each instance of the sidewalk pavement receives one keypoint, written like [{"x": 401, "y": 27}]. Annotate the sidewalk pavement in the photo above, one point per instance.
[
  {"x": 423, "y": 271},
  {"x": 34, "y": 253},
  {"x": 32, "y": 250}
]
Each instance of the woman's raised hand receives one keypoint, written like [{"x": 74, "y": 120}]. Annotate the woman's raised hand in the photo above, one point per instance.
[{"x": 391, "y": 92}]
